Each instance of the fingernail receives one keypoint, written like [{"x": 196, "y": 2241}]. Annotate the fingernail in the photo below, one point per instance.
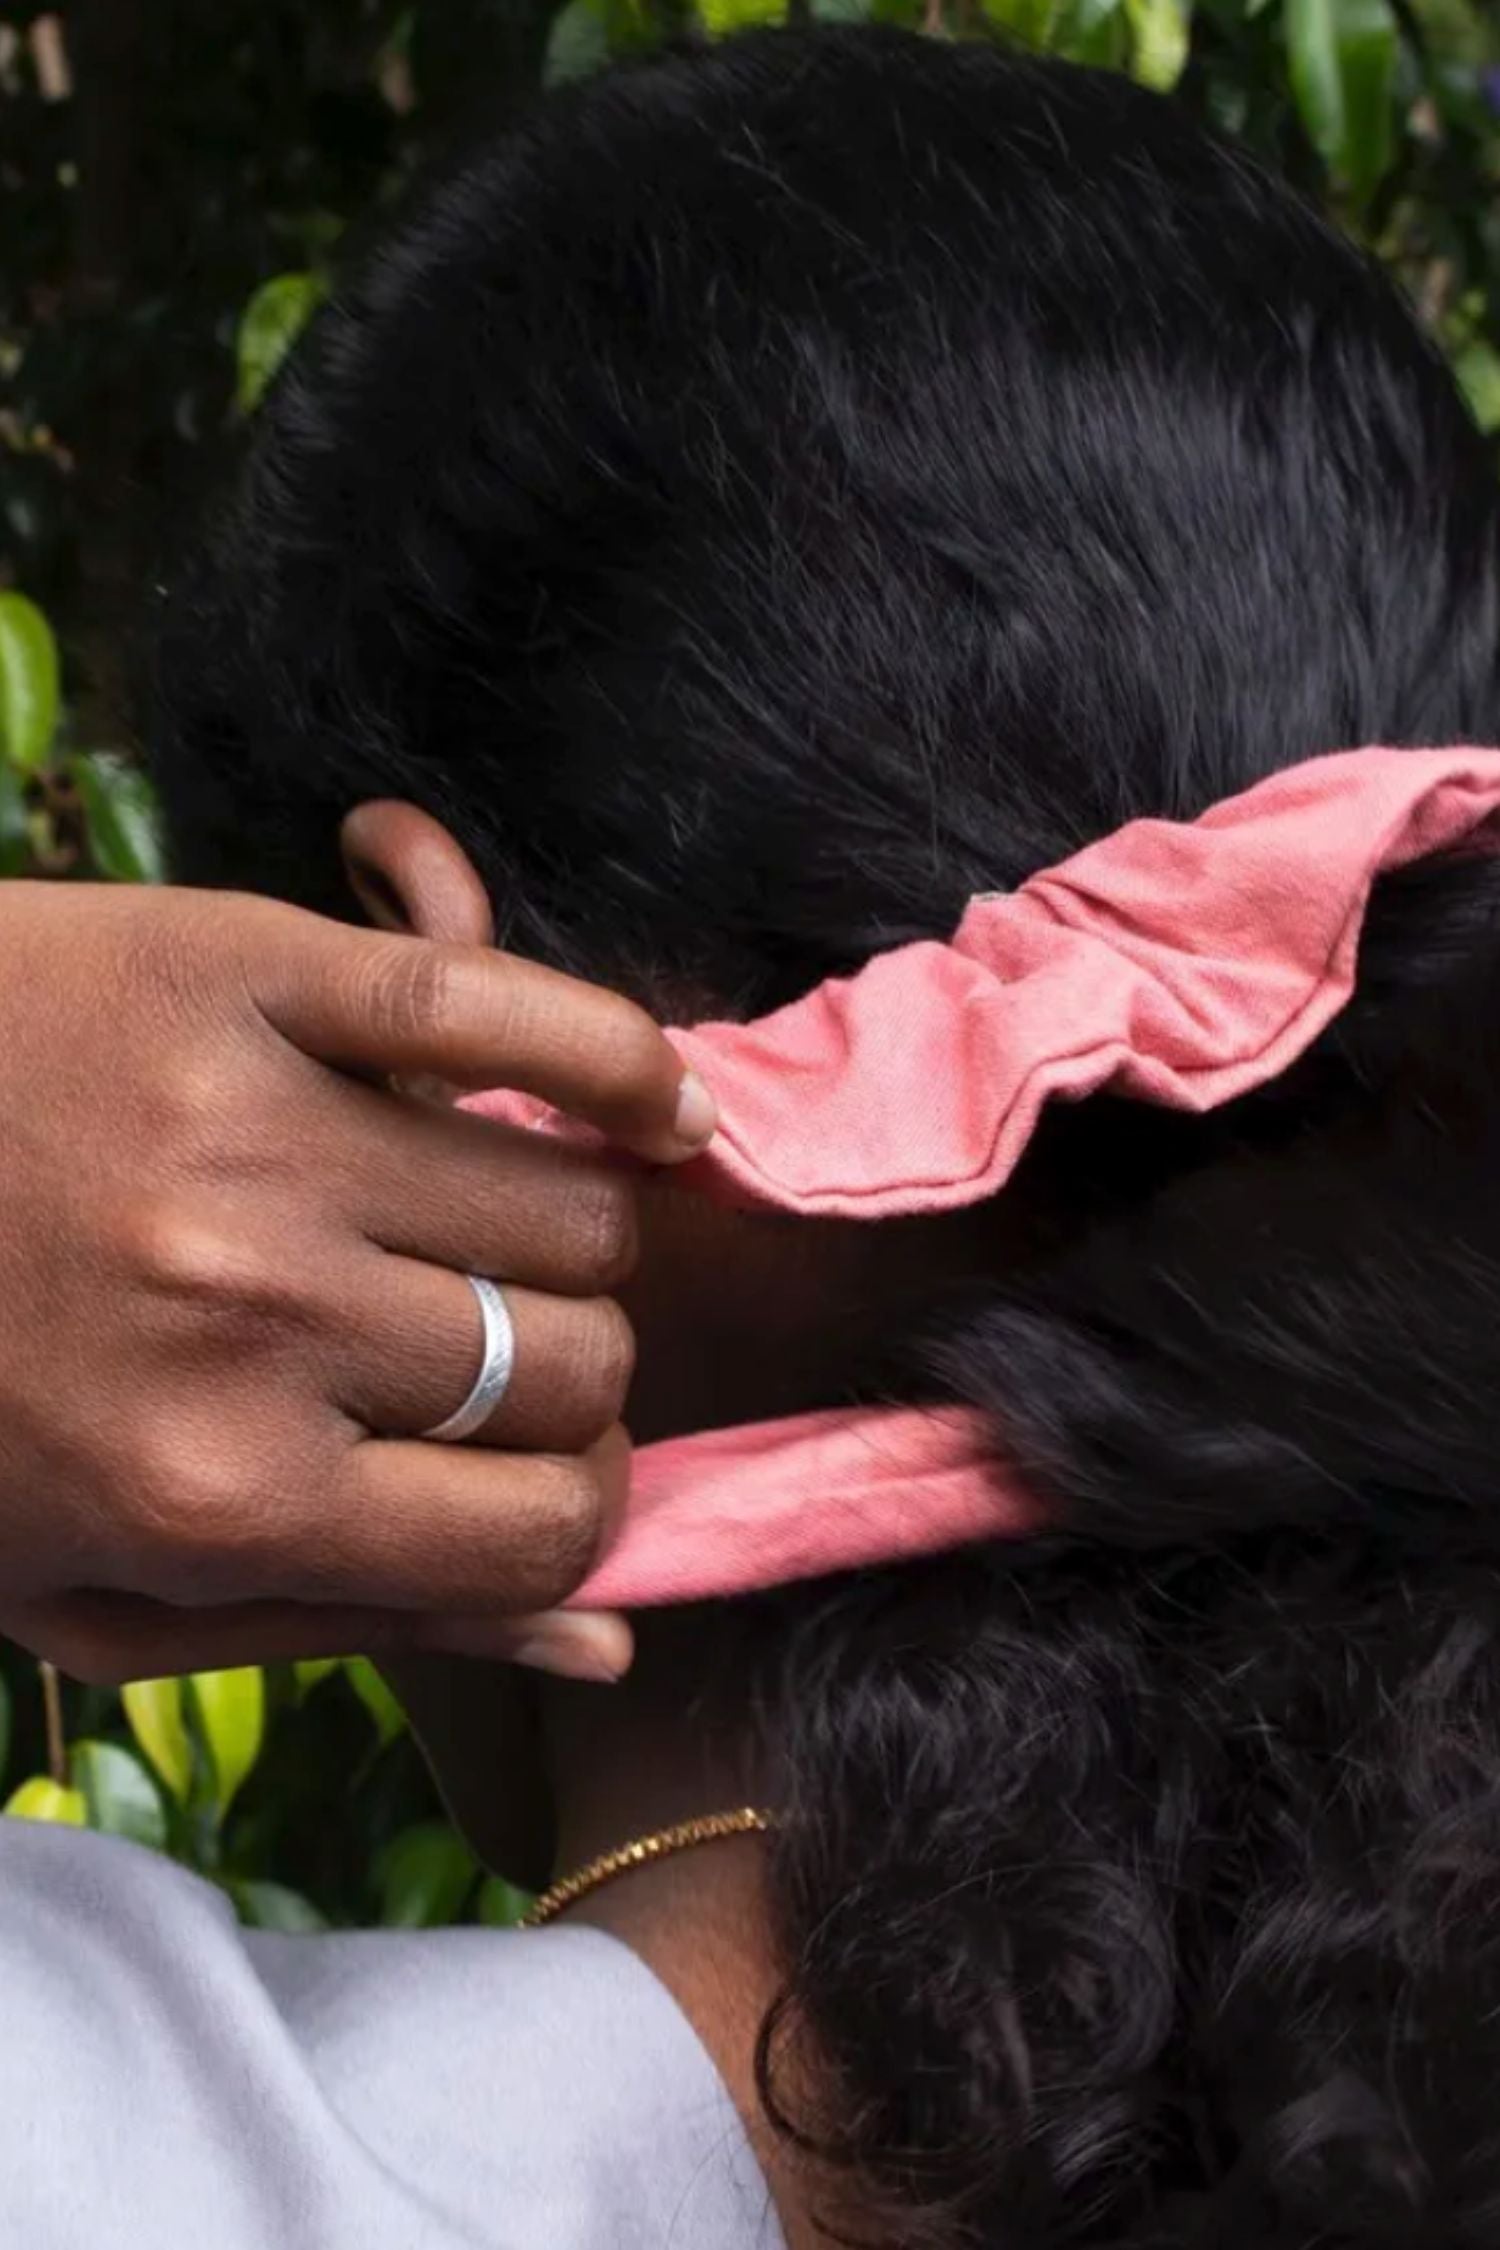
[
  {"x": 593, "y": 1644},
  {"x": 697, "y": 1115},
  {"x": 577, "y": 1648}
]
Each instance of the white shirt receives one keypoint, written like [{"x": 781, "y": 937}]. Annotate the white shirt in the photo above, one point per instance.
[{"x": 169, "y": 2081}]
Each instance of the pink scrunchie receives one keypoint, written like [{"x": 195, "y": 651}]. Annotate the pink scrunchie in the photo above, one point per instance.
[{"x": 1182, "y": 963}]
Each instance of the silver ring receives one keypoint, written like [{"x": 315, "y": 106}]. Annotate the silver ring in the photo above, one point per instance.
[{"x": 496, "y": 1364}]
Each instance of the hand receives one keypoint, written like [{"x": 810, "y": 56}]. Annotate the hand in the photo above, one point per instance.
[{"x": 231, "y": 1290}]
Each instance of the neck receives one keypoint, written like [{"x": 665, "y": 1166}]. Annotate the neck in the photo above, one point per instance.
[
  {"x": 628, "y": 1761},
  {"x": 743, "y": 1317},
  {"x": 668, "y": 1743},
  {"x": 738, "y": 1319}
]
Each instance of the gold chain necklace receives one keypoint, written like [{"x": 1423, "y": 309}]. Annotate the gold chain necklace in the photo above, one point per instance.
[{"x": 708, "y": 1828}]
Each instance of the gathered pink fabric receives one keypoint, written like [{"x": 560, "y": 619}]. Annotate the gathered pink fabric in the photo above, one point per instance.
[{"x": 1178, "y": 963}]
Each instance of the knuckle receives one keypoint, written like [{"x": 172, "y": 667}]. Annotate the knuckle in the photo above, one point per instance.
[
  {"x": 570, "y": 1526},
  {"x": 410, "y": 987},
  {"x": 189, "y": 1094},
  {"x": 609, "y": 1358},
  {"x": 192, "y": 1503},
  {"x": 183, "y": 1254},
  {"x": 605, "y": 1218}
]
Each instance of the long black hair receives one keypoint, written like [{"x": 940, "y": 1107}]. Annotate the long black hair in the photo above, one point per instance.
[{"x": 757, "y": 501}]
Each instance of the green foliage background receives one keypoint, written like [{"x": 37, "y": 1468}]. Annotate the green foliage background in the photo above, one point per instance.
[{"x": 175, "y": 179}]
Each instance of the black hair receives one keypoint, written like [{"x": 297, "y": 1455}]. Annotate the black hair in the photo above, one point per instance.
[{"x": 758, "y": 500}]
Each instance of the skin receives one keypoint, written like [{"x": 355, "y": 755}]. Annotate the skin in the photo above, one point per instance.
[
  {"x": 233, "y": 1165},
  {"x": 625, "y": 1762},
  {"x": 548, "y": 1770},
  {"x": 737, "y": 1318},
  {"x": 221, "y": 1337}
]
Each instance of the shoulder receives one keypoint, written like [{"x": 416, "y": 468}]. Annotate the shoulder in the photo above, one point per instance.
[{"x": 462, "y": 2087}]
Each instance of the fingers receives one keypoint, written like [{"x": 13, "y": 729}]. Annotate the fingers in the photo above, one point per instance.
[
  {"x": 459, "y": 1191},
  {"x": 405, "y": 1525},
  {"x": 414, "y": 1336},
  {"x": 107, "y": 1638},
  {"x": 364, "y": 1000}
]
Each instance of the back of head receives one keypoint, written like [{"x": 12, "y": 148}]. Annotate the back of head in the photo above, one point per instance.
[{"x": 758, "y": 502}]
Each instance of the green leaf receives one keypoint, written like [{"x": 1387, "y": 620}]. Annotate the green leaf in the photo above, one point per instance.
[
  {"x": 271, "y": 1906},
  {"x": 119, "y": 813},
  {"x": 390, "y": 1719},
  {"x": 1092, "y": 31},
  {"x": 577, "y": 44},
  {"x": 1341, "y": 57},
  {"x": 842, "y": 11},
  {"x": 423, "y": 1876},
  {"x": 723, "y": 16},
  {"x": 30, "y": 688},
  {"x": 501, "y": 1904},
  {"x": 121, "y": 1797},
  {"x": 230, "y": 1708},
  {"x": 1159, "y": 41},
  {"x": 310, "y": 1671},
  {"x": 269, "y": 326},
  {"x": 42, "y": 1799},
  {"x": 1477, "y": 367},
  {"x": 1030, "y": 21},
  {"x": 153, "y": 1709}
]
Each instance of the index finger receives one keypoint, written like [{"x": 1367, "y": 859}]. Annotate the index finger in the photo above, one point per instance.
[{"x": 370, "y": 1001}]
